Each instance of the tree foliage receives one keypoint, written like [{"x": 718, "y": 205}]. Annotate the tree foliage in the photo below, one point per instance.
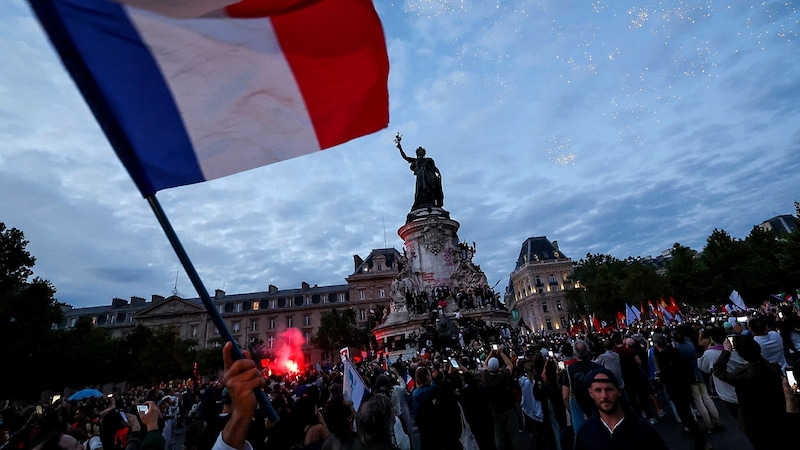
[
  {"x": 757, "y": 266},
  {"x": 337, "y": 329},
  {"x": 28, "y": 310}
]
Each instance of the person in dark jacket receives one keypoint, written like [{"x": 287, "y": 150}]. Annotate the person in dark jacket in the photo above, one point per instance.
[
  {"x": 678, "y": 377},
  {"x": 612, "y": 427},
  {"x": 759, "y": 389}
]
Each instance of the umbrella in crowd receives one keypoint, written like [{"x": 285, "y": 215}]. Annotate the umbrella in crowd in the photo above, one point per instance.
[{"x": 85, "y": 393}]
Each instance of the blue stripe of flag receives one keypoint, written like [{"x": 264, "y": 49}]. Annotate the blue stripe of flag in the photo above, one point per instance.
[{"x": 124, "y": 88}]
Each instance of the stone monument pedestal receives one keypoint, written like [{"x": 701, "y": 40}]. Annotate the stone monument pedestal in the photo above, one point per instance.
[{"x": 435, "y": 263}]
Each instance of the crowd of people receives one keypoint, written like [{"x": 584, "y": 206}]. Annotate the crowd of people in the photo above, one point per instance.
[{"x": 472, "y": 386}]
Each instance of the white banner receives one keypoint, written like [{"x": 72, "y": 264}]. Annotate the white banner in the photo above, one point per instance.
[{"x": 354, "y": 387}]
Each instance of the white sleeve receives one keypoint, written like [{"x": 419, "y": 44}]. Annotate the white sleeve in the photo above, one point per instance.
[
  {"x": 221, "y": 445},
  {"x": 400, "y": 437}
]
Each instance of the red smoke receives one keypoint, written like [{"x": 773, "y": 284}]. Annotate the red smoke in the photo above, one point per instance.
[{"x": 289, "y": 357}]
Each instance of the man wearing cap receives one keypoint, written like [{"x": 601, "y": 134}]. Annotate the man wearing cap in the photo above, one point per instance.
[{"x": 611, "y": 426}]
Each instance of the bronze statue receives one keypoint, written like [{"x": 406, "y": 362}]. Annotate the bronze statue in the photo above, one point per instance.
[{"x": 429, "y": 179}]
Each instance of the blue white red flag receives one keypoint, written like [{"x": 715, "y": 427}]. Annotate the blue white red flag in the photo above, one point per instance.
[{"x": 191, "y": 90}]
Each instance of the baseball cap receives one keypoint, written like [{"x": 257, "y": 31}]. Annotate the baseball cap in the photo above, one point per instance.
[{"x": 597, "y": 375}]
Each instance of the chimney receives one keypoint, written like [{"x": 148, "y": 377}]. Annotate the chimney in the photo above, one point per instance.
[
  {"x": 118, "y": 302},
  {"x": 219, "y": 294},
  {"x": 358, "y": 261},
  {"x": 273, "y": 289},
  {"x": 305, "y": 286},
  {"x": 555, "y": 244},
  {"x": 155, "y": 299}
]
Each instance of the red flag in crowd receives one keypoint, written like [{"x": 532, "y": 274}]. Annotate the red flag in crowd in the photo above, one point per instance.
[{"x": 596, "y": 323}]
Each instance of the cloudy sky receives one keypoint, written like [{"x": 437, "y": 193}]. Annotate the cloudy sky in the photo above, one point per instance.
[{"x": 616, "y": 127}]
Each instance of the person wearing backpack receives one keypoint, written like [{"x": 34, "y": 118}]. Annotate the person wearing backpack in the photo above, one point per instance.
[{"x": 574, "y": 390}]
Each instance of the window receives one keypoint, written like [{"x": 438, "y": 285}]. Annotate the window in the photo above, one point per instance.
[
  {"x": 563, "y": 322},
  {"x": 216, "y": 344},
  {"x": 130, "y": 317},
  {"x": 539, "y": 282},
  {"x": 271, "y": 323},
  {"x": 381, "y": 293},
  {"x": 254, "y": 325},
  {"x": 342, "y": 298},
  {"x": 228, "y": 307},
  {"x": 380, "y": 266},
  {"x": 237, "y": 307},
  {"x": 281, "y": 303},
  {"x": 221, "y": 308},
  {"x": 289, "y": 322},
  {"x": 307, "y": 321},
  {"x": 308, "y": 301},
  {"x": 193, "y": 331},
  {"x": 298, "y": 301},
  {"x": 236, "y": 326},
  {"x": 549, "y": 325},
  {"x": 72, "y": 322},
  {"x": 362, "y": 314},
  {"x": 271, "y": 342},
  {"x": 256, "y": 305},
  {"x": 552, "y": 279},
  {"x": 559, "y": 306},
  {"x": 544, "y": 306},
  {"x": 361, "y": 295},
  {"x": 94, "y": 320}
]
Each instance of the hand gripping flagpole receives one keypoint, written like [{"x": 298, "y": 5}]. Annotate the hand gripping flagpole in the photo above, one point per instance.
[{"x": 203, "y": 293}]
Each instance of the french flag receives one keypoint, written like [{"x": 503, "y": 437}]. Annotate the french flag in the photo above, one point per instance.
[{"x": 192, "y": 90}]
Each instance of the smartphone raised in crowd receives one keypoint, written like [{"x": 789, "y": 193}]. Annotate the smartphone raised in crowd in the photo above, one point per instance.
[
  {"x": 142, "y": 409},
  {"x": 494, "y": 346},
  {"x": 730, "y": 341}
]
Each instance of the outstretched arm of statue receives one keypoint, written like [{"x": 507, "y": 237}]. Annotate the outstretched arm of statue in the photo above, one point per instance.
[{"x": 397, "y": 140}]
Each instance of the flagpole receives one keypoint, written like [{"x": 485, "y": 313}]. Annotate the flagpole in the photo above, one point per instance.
[{"x": 203, "y": 293}]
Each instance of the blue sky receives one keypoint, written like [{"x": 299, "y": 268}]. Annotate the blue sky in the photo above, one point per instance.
[{"x": 611, "y": 127}]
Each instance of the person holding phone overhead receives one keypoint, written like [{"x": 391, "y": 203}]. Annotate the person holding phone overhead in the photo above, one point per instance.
[
  {"x": 759, "y": 389},
  {"x": 501, "y": 397}
]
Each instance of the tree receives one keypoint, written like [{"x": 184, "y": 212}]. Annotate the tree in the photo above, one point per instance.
[
  {"x": 789, "y": 257},
  {"x": 337, "y": 330},
  {"x": 79, "y": 357},
  {"x": 763, "y": 274},
  {"x": 28, "y": 311},
  {"x": 686, "y": 277},
  {"x": 640, "y": 281},
  {"x": 599, "y": 286},
  {"x": 724, "y": 260}
]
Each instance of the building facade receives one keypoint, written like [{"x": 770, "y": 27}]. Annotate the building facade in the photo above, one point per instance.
[
  {"x": 538, "y": 286},
  {"x": 258, "y": 319}
]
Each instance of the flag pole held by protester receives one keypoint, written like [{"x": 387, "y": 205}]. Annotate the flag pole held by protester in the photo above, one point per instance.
[{"x": 187, "y": 92}]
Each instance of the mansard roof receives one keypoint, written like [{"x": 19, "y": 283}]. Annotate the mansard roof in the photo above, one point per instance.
[
  {"x": 538, "y": 248},
  {"x": 780, "y": 225},
  {"x": 391, "y": 255}
]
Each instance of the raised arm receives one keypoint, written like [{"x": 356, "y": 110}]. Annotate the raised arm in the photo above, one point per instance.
[
  {"x": 397, "y": 140},
  {"x": 241, "y": 378}
]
